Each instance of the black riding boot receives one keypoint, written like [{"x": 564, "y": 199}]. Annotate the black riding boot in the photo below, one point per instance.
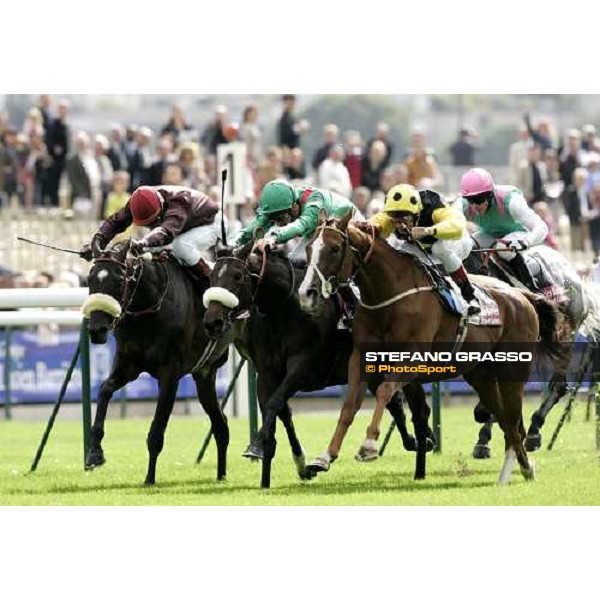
[
  {"x": 520, "y": 269},
  {"x": 466, "y": 289}
]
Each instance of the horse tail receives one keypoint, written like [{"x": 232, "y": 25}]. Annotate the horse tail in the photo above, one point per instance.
[
  {"x": 590, "y": 328},
  {"x": 551, "y": 321}
]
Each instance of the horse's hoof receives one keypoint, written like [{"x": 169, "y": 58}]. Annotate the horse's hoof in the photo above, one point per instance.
[
  {"x": 319, "y": 465},
  {"x": 366, "y": 454},
  {"x": 533, "y": 442},
  {"x": 253, "y": 452},
  {"x": 306, "y": 474},
  {"x": 148, "y": 483},
  {"x": 93, "y": 460},
  {"x": 410, "y": 444},
  {"x": 482, "y": 451}
]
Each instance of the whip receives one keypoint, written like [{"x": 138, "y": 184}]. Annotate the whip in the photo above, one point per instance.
[{"x": 22, "y": 239}]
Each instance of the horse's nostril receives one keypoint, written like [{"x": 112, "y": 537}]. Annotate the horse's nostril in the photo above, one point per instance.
[{"x": 311, "y": 293}]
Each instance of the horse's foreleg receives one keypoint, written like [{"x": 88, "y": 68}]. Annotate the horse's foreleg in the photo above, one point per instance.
[
  {"x": 156, "y": 435},
  {"x": 118, "y": 378},
  {"x": 354, "y": 397},
  {"x": 207, "y": 395},
  {"x": 298, "y": 453},
  {"x": 368, "y": 449},
  {"x": 417, "y": 401}
]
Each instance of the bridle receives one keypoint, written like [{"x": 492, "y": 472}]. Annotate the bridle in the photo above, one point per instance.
[
  {"x": 248, "y": 275},
  {"x": 133, "y": 272},
  {"x": 330, "y": 285}
]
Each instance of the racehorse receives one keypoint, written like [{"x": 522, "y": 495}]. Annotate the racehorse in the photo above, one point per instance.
[
  {"x": 291, "y": 351},
  {"x": 399, "y": 304},
  {"x": 155, "y": 308},
  {"x": 580, "y": 303}
]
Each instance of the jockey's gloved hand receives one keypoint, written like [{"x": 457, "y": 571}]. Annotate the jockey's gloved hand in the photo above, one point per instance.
[
  {"x": 138, "y": 247},
  {"x": 98, "y": 245},
  {"x": 516, "y": 245},
  {"x": 86, "y": 252}
]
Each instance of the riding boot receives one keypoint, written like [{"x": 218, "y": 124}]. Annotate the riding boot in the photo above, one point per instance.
[
  {"x": 521, "y": 271},
  {"x": 466, "y": 289}
]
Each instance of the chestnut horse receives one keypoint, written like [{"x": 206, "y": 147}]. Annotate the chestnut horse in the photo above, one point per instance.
[{"x": 399, "y": 304}]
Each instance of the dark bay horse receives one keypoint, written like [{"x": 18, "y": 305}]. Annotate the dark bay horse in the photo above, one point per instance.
[
  {"x": 291, "y": 351},
  {"x": 579, "y": 301},
  {"x": 155, "y": 308},
  {"x": 398, "y": 304}
]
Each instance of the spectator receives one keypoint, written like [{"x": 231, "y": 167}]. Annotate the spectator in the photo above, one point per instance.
[
  {"x": 375, "y": 205},
  {"x": 164, "y": 149},
  {"x": 44, "y": 106},
  {"x": 9, "y": 164},
  {"x": 33, "y": 121},
  {"x": 533, "y": 176},
  {"x": 361, "y": 196},
  {"x": 294, "y": 164},
  {"x": 542, "y": 135},
  {"x": 462, "y": 152},
  {"x": 214, "y": 134},
  {"x": 177, "y": 126},
  {"x": 518, "y": 153},
  {"x": 130, "y": 143},
  {"x": 576, "y": 204},
  {"x": 353, "y": 146},
  {"x": 251, "y": 135},
  {"x": 116, "y": 151},
  {"x": 592, "y": 160},
  {"x": 119, "y": 195},
  {"x": 35, "y": 170},
  {"x": 288, "y": 130},
  {"x": 333, "y": 174},
  {"x": 542, "y": 209},
  {"x": 58, "y": 147},
  {"x": 84, "y": 177},
  {"x": 173, "y": 175},
  {"x": 331, "y": 134},
  {"x": 590, "y": 142},
  {"x": 101, "y": 146},
  {"x": 382, "y": 133},
  {"x": 373, "y": 166},
  {"x": 594, "y": 222},
  {"x": 192, "y": 167},
  {"x": 141, "y": 159},
  {"x": 270, "y": 169},
  {"x": 570, "y": 158},
  {"x": 423, "y": 171}
]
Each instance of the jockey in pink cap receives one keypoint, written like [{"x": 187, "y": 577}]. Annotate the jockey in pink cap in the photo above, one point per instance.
[{"x": 505, "y": 220}]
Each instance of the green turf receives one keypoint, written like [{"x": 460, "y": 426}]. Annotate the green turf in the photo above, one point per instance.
[{"x": 569, "y": 475}]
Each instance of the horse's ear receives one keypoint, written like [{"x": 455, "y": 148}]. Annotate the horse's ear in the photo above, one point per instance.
[
  {"x": 243, "y": 251},
  {"x": 258, "y": 233},
  {"x": 222, "y": 250},
  {"x": 342, "y": 224},
  {"x": 322, "y": 217}
]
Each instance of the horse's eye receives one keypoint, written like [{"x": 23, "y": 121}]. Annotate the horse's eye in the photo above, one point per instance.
[
  {"x": 335, "y": 249},
  {"x": 237, "y": 277}
]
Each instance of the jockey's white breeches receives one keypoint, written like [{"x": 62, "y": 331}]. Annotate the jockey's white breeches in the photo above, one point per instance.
[{"x": 451, "y": 253}]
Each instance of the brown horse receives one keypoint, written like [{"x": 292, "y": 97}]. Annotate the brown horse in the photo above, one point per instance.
[{"x": 398, "y": 304}]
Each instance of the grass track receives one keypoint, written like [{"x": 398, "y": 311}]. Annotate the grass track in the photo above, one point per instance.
[{"x": 569, "y": 475}]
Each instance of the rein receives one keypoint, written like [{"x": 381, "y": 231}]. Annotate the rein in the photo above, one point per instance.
[
  {"x": 326, "y": 284},
  {"x": 133, "y": 274}
]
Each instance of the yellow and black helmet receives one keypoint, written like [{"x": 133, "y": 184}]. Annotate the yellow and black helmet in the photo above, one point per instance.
[{"x": 403, "y": 198}]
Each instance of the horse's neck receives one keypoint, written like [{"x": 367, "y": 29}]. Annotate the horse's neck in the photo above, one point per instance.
[
  {"x": 274, "y": 290},
  {"x": 388, "y": 273},
  {"x": 151, "y": 284}
]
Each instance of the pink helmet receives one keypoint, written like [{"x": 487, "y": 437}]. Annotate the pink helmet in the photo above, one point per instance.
[{"x": 475, "y": 182}]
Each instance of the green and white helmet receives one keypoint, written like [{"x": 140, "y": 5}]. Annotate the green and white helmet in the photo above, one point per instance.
[{"x": 276, "y": 196}]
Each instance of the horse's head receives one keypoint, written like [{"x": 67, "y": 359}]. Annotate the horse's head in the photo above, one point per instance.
[
  {"x": 230, "y": 289},
  {"x": 107, "y": 283},
  {"x": 330, "y": 262}
]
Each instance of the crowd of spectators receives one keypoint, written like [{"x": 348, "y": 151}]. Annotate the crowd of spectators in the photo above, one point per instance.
[{"x": 44, "y": 162}]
